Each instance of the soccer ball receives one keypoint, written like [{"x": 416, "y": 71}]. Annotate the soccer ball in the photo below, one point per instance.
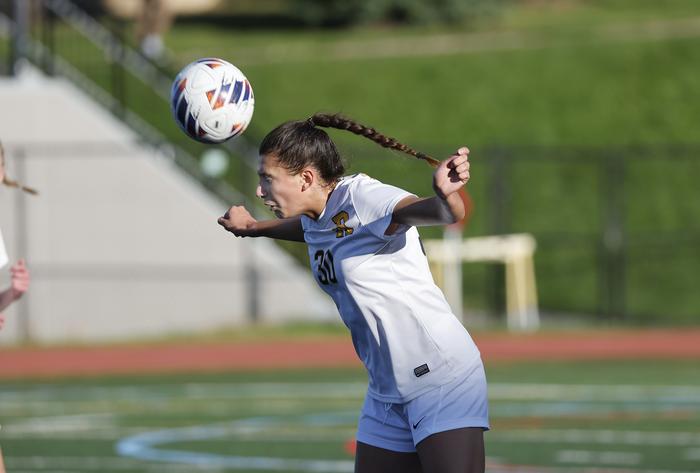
[{"x": 211, "y": 100}]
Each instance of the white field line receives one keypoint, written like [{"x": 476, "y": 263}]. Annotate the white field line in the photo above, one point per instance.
[
  {"x": 65, "y": 423},
  {"x": 593, "y": 392},
  {"x": 217, "y": 398},
  {"x": 212, "y": 407},
  {"x": 71, "y": 464},
  {"x": 588, "y": 469},
  {"x": 603, "y": 437},
  {"x": 187, "y": 391},
  {"x": 598, "y": 457},
  {"x": 68, "y": 462},
  {"x": 142, "y": 469},
  {"x": 692, "y": 454},
  {"x": 193, "y": 391},
  {"x": 112, "y": 434}
]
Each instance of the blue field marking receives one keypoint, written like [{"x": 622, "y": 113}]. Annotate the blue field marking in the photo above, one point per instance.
[
  {"x": 508, "y": 401},
  {"x": 145, "y": 446}
]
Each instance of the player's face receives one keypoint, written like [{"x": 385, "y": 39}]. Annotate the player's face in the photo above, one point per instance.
[{"x": 280, "y": 190}]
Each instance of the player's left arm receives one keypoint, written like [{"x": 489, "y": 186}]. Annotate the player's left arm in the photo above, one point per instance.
[{"x": 446, "y": 206}]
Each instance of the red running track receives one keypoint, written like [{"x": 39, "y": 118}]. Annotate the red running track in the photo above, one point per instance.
[{"x": 334, "y": 352}]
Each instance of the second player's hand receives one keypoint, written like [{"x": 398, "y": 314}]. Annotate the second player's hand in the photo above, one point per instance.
[
  {"x": 20, "y": 279},
  {"x": 238, "y": 221},
  {"x": 452, "y": 174}
]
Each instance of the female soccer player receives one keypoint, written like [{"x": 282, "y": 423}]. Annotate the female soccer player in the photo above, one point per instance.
[
  {"x": 426, "y": 407},
  {"x": 18, "y": 272}
]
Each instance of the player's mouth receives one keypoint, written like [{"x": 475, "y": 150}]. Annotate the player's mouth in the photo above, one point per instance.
[{"x": 274, "y": 209}]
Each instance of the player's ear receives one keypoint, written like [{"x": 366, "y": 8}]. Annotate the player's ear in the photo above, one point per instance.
[{"x": 307, "y": 176}]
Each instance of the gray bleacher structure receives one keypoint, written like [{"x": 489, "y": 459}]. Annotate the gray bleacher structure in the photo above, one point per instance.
[{"x": 121, "y": 242}]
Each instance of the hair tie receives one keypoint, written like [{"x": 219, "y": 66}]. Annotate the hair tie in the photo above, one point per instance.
[{"x": 310, "y": 121}]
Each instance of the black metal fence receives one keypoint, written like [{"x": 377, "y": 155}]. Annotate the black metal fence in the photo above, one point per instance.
[{"x": 617, "y": 228}]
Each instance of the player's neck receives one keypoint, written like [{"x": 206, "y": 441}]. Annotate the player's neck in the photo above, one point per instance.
[{"x": 321, "y": 196}]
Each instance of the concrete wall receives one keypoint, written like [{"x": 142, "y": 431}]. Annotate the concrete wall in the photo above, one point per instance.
[{"x": 120, "y": 242}]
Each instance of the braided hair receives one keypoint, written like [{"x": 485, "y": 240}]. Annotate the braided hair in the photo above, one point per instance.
[
  {"x": 343, "y": 123},
  {"x": 9, "y": 182},
  {"x": 300, "y": 143}
]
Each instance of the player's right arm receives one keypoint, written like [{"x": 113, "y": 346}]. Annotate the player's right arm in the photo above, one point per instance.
[{"x": 238, "y": 221}]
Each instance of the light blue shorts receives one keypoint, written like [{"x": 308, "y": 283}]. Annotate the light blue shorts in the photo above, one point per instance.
[{"x": 399, "y": 427}]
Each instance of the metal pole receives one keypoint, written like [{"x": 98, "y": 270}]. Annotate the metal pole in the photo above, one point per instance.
[
  {"x": 20, "y": 34},
  {"x": 452, "y": 272},
  {"x": 118, "y": 79},
  {"x": 613, "y": 238},
  {"x": 252, "y": 281},
  {"x": 25, "y": 333},
  {"x": 497, "y": 224},
  {"x": 47, "y": 22}
]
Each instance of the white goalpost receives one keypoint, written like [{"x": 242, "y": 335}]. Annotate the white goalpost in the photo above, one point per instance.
[{"x": 515, "y": 251}]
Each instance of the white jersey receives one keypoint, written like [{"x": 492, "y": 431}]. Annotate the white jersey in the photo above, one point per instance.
[{"x": 401, "y": 325}]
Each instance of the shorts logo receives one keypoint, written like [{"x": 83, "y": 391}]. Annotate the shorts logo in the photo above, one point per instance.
[
  {"x": 421, "y": 370},
  {"x": 342, "y": 229},
  {"x": 415, "y": 426}
]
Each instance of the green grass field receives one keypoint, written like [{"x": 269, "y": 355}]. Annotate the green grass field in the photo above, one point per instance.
[{"x": 613, "y": 416}]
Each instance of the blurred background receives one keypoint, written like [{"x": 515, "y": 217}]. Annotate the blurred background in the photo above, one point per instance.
[{"x": 581, "y": 116}]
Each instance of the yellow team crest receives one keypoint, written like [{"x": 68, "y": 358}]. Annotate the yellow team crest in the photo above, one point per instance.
[{"x": 341, "y": 228}]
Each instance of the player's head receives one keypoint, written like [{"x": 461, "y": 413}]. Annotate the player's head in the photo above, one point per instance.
[
  {"x": 299, "y": 144},
  {"x": 297, "y": 163},
  {"x": 298, "y": 155}
]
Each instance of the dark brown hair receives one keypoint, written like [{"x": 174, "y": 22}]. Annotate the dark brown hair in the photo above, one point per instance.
[
  {"x": 301, "y": 143},
  {"x": 10, "y": 183}
]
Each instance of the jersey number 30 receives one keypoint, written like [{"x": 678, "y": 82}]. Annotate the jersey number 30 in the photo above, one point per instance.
[{"x": 326, "y": 270}]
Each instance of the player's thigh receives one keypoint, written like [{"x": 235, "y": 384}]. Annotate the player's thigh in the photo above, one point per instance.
[
  {"x": 453, "y": 451},
  {"x": 371, "y": 459}
]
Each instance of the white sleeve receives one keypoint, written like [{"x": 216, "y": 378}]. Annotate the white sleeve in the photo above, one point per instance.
[
  {"x": 374, "y": 203},
  {"x": 3, "y": 253}
]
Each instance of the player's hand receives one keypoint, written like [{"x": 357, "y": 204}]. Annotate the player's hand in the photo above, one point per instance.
[
  {"x": 452, "y": 174},
  {"x": 238, "y": 221},
  {"x": 20, "y": 279}
]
